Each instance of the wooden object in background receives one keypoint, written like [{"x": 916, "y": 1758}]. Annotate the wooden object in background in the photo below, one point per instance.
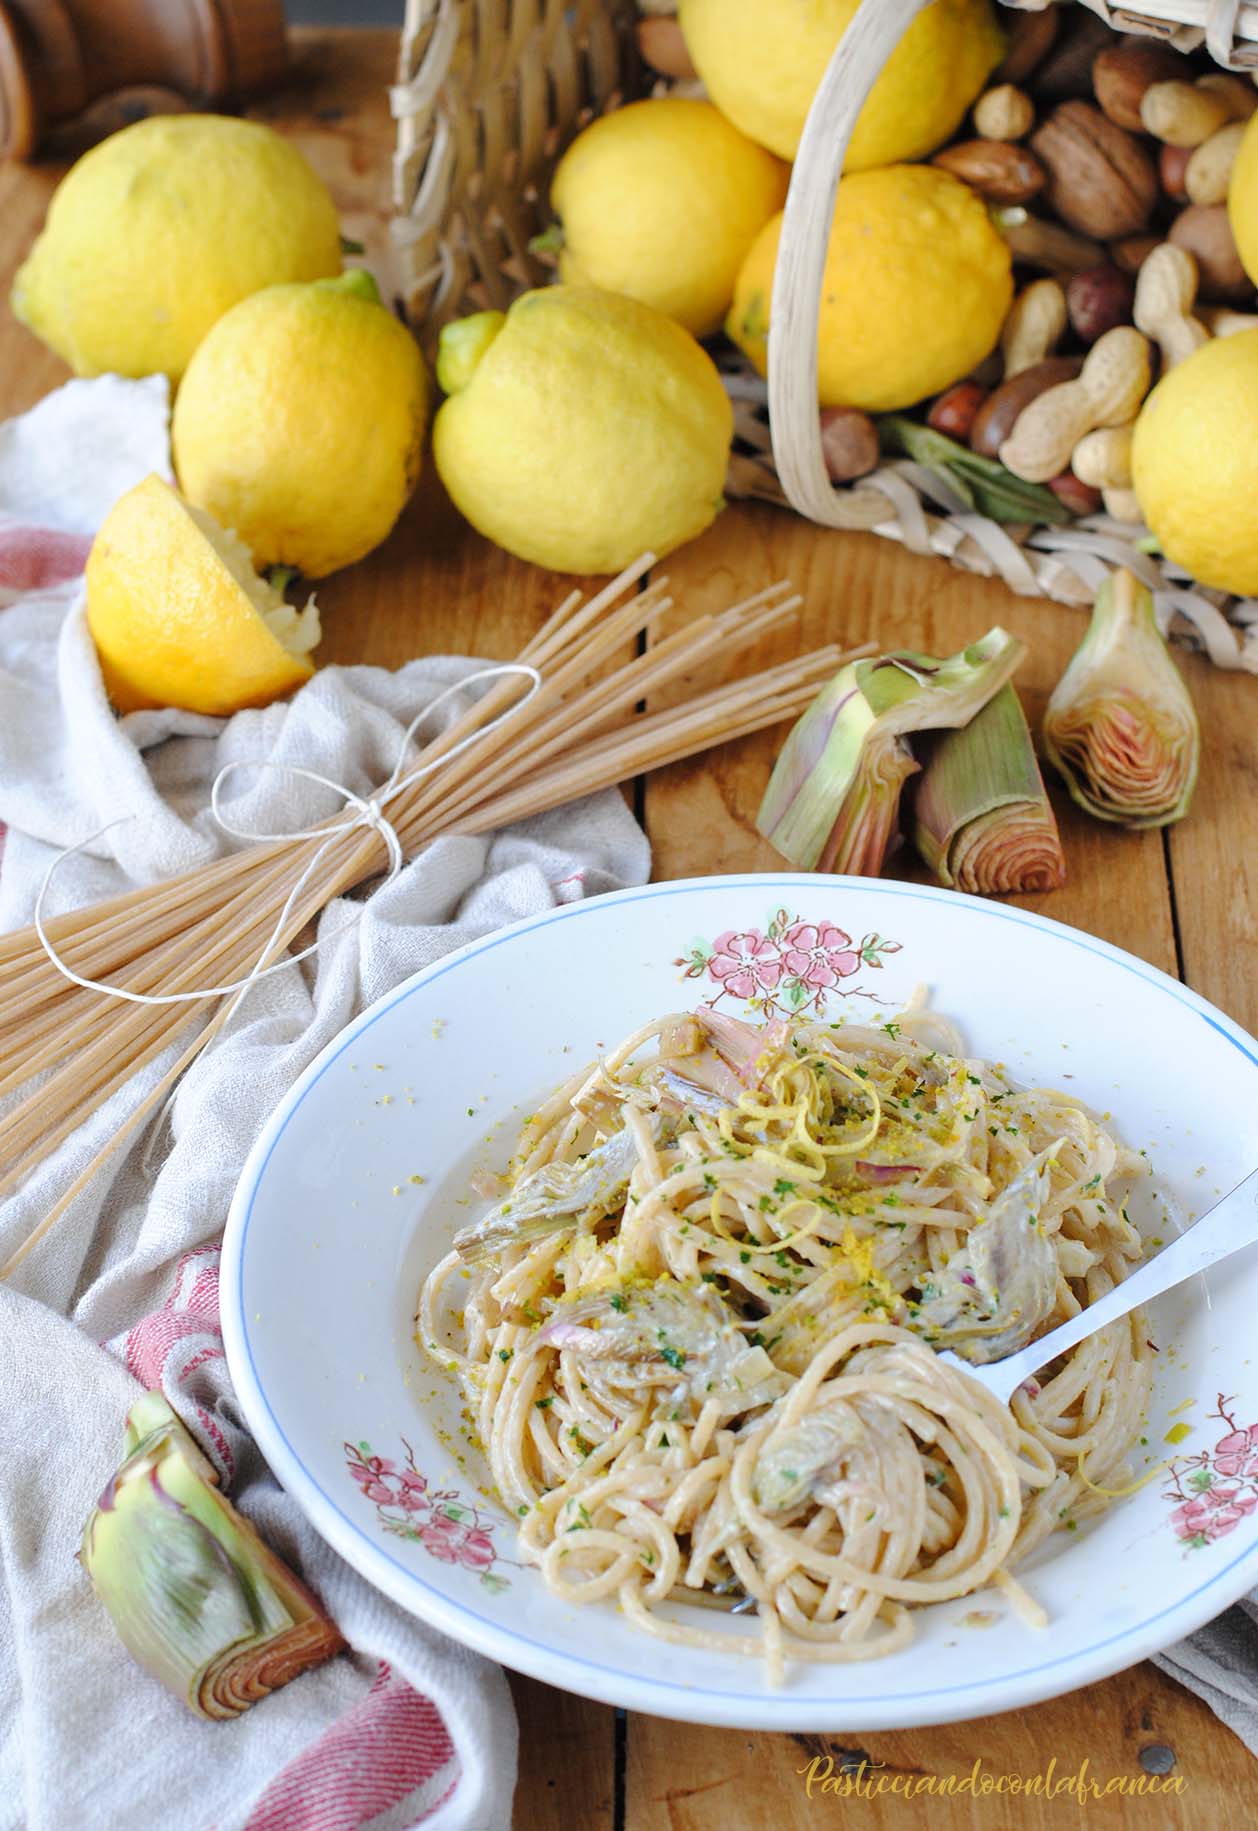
[{"x": 57, "y": 57}]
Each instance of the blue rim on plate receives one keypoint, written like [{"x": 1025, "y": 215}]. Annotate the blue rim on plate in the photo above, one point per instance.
[{"x": 354, "y": 1539}]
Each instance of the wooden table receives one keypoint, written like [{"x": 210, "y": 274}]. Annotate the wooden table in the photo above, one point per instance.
[{"x": 1186, "y": 899}]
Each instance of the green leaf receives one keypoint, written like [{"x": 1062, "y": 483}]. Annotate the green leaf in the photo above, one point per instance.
[{"x": 982, "y": 483}]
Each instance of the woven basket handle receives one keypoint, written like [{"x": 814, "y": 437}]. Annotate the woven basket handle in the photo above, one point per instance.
[{"x": 863, "y": 50}]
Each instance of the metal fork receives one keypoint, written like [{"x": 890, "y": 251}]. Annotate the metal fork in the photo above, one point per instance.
[{"x": 1227, "y": 1227}]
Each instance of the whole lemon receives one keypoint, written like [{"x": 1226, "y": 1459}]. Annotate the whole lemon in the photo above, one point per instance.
[
  {"x": 1242, "y": 200},
  {"x": 762, "y": 60},
  {"x": 300, "y": 422},
  {"x": 917, "y": 286},
  {"x": 1194, "y": 463},
  {"x": 582, "y": 429},
  {"x": 162, "y": 228},
  {"x": 661, "y": 201},
  {"x": 179, "y": 616}
]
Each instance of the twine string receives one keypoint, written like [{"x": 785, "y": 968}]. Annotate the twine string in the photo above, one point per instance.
[{"x": 366, "y": 811}]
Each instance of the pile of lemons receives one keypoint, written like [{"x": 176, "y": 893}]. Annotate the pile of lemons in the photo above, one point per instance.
[
  {"x": 675, "y": 205},
  {"x": 582, "y": 427}
]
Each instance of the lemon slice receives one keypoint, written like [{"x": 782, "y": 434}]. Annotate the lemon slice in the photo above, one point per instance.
[{"x": 180, "y": 617}]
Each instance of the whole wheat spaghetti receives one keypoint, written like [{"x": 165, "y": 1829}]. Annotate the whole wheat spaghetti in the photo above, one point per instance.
[
  {"x": 583, "y": 729},
  {"x": 698, "y": 1328}
]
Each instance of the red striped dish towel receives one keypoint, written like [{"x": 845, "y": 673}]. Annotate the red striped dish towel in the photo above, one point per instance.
[{"x": 389, "y": 1757}]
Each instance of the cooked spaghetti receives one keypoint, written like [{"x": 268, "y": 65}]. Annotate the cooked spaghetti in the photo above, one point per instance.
[{"x": 698, "y": 1328}]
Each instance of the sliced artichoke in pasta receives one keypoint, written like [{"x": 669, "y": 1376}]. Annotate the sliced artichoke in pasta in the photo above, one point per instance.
[
  {"x": 735, "y": 1060},
  {"x": 557, "y": 1196},
  {"x": 795, "y": 1460},
  {"x": 684, "y": 1328},
  {"x": 996, "y": 1293}
]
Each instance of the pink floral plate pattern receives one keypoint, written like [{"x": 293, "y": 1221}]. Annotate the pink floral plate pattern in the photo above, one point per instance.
[
  {"x": 448, "y": 1527},
  {"x": 1216, "y": 1488},
  {"x": 787, "y": 969}
]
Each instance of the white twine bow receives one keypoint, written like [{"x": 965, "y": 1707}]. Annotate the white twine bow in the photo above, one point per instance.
[{"x": 368, "y": 811}]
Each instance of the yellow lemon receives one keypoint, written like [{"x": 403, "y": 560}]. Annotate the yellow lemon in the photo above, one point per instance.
[
  {"x": 661, "y": 201},
  {"x": 1194, "y": 463},
  {"x": 163, "y": 227},
  {"x": 179, "y": 616},
  {"x": 917, "y": 285},
  {"x": 300, "y": 422},
  {"x": 761, "y": 61},
  {"x": 1242, "y": 200},
  {"x": 582, "y": 429}
]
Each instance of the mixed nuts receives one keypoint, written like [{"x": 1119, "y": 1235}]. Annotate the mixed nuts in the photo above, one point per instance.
[{"x": 1106, "y": 162}]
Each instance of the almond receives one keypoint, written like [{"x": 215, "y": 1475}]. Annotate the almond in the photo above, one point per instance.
[
  {"x": 998, "y": 414},
  {"x": 997, "y": 169}
]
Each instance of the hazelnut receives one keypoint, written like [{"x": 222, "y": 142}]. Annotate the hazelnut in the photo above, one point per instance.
[
  {"x": 1101, "y": 181},
  {"x": 1204, "y": 230},
  {"x": 953, "y": 412},
  {"x": 849, "y": 443},
  {"x": 1080, "y": 498},
  {"x": 1097, "y": 299},
  {"x": 1004, "y": 113}
]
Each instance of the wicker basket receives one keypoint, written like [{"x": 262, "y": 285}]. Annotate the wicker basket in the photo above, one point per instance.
[{"x": 489, "y": 94}]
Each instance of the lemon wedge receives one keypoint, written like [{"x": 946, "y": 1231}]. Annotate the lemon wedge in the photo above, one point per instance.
[{"x": 179, "y": 616}]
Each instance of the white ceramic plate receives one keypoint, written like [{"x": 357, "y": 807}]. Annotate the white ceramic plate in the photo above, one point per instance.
[{"x": 332, "y": 1231}]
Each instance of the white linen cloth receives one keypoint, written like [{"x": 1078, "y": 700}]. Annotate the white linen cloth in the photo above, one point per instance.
[{"x": 86, "y": 1738}]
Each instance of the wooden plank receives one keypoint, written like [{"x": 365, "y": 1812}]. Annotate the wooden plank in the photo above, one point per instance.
[
  {"x": 567, "y": 1760},
  {"x": 696, "y": 1779},
  {"x": 1214, "y": 850}
]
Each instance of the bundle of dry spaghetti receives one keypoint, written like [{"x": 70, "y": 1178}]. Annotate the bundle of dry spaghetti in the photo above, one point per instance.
[{"x": 581, "y": 729}]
